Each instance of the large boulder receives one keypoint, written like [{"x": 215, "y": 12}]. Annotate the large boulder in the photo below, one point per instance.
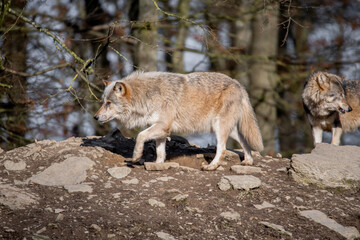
[{"x": 328, "y": 166}]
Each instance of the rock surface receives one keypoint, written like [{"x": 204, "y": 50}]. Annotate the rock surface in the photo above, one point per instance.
[
  {"x": 69, "y": 172},
  {"x": 16, "y": 198},
  {"x": 328, "y": 166},
  {"x": 320, "y": 217},
  {"x": 143, "y": 204},
  {"x": 119, "y": 172}
]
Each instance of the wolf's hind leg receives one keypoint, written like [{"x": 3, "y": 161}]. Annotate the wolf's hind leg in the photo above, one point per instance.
[
  {"x": 237, "y": 136},
  {"x": 160, "y": 150},
  {"x": 156, "y": 131},
  {"x": 221, "y": 137}
]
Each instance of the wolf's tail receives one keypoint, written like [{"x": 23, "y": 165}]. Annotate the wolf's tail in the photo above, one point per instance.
[{"x": 248, "y": 125}]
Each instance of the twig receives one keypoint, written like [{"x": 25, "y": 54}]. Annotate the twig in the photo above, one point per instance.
[{"x": 24, "y": 74}]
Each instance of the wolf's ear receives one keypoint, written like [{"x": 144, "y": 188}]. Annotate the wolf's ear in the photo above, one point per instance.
[
  {"x": 106, "y": 83},
  {"x": 121, "y": 88},
  {"x": 323, "y": 81}
]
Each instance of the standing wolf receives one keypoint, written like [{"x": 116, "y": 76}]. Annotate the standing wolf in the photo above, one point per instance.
[
  {"x": 196, "y": 102},
  {"x": 331, "y": 104}
]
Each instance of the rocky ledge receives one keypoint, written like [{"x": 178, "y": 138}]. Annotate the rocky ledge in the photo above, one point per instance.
[{"x": 85, "y": 188}]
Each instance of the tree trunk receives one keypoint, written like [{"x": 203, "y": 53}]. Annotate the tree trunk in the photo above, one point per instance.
[
  {"x": 177, "y": 57},
  {"x": 263, "y": 77},
  {"x": 14, "y": 101},
  {"x": 145, "y": 52},
  {"x": 242, "y": 42}
]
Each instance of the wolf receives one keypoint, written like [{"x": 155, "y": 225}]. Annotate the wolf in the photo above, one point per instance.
[
  {"x": 331, "y": 104},
  {"x": 164, "y": 102}
]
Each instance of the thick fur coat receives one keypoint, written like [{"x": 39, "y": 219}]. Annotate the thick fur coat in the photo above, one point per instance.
[{"x": 186, "y": 103}]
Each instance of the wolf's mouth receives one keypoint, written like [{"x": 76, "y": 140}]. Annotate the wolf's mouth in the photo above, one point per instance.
[{"x": 342, "y": 111}]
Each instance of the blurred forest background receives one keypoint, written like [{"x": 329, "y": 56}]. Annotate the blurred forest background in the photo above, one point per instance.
[{"x": 55, "y": 54}]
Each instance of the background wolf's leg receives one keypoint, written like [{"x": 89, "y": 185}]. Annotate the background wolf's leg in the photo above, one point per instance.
[
  {"x": 245, "y": 146},
  {"x": 160, "y": 150},
  {"x": 156, "y": 131},
  {"x": 317, "y": 134},
  {"x": 336, "y": 135}
]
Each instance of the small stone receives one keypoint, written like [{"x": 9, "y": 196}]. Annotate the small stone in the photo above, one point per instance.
[
  {"x": 239, "y": 169},
  {"x": 59, "y": 217},
  {"x": 173, "y": 190},
  {"x": 59, "y": 210},
  {"x": 95, "y": 227},
  {"x": 153, "y": 166},
  {"x": 299, "y": 199},
  {"x": 231, "y": 216},
  {"x": 220, "y": 168},
  {"x": 119, "y": 172},
  {"x": 265, "y": 204},
  {"x": 9, "y": 230},
  {"x": 41, "y": 230},
  {"x": 180, "y": 197},
  {"x": 78, "y": 188},
  {"x": 131, "y": 181},
  {"x": 276, "y": 227},
  {"x": 194, "y": 210},
  {"x": 278, "y": 155},
  {"x": 224, "y": 184},
  {"x": 111, "y": 235},
  {"x": 243, "y": 182},
  {"x": 155, "y": 203},
  {"x": 199, "y": 155},
  {"x": 14, "y": 166},
  {"x": 284, "y": 169},
  {"x": 165, "y": 236},
  {"x": 165, "y": 179}
]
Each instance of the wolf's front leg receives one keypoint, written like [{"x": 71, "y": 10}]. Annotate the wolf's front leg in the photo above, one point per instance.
[
  {"x": 160, "y": 150},
  {"x": 336, "y": 135},
  {"x": 317, "y": 134},
  {"x": 157, "y": 131}
]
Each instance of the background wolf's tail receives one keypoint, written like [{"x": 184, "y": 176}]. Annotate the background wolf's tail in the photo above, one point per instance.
[{"x": 248, "y": 125}]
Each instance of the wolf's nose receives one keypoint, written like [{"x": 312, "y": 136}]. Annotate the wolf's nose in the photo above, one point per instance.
[
  {"x": 96, "y": 117},
  {"x": 349, "y": 109}
]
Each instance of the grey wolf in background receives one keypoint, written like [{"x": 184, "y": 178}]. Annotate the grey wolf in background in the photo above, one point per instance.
[
  {"x": 196, "y": 102},
  {"x": 331, "y": 104}
]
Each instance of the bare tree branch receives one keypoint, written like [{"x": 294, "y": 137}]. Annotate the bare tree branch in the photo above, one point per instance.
[{"x": 23, "y": 74}]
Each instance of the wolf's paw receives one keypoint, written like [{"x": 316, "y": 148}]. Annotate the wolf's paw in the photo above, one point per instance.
[
  {"x": 210, "y": 167},
  {"x": 134, "y": 160},
  {"x": 247, "y": 162}
]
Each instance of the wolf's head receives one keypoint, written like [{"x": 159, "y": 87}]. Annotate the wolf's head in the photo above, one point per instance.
[
  {"x": 115, "y": 98},
  {"x": 332, "y": 92}
]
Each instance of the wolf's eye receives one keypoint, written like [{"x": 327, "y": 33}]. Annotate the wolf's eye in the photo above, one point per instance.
[{"x": 107, "y": 104}]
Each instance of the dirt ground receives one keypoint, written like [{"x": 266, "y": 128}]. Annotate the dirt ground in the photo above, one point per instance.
[{"x": 120, "y": 208}]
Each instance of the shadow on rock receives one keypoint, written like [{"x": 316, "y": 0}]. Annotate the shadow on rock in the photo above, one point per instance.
[{"x": 115, "y": 142}]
